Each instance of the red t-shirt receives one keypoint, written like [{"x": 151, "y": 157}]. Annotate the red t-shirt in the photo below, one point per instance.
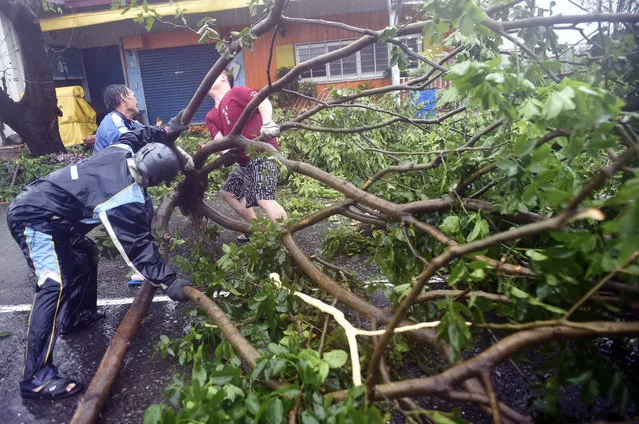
[{"x": 222, "y": 118}]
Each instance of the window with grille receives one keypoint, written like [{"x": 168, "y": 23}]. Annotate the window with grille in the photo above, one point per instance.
[
  {"x": 370, "y": 62},
  {"x": 414, "y": 44}
]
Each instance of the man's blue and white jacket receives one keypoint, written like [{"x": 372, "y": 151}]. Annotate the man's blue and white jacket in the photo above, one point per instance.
[
  {"x": 111, "y": 128},
  {"x": 73, "y": 200}
]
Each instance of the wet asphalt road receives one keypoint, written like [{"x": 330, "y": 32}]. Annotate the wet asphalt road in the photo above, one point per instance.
[{"x": 143, "y": 376}]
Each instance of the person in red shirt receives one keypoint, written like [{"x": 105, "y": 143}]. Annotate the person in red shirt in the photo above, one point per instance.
[{"x": 254, "y": 181}]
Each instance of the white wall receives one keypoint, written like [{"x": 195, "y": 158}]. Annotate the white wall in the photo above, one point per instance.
[{"x": 11, "y": 62}]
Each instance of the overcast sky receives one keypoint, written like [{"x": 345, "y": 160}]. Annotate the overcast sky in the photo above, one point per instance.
[{"x": 564, "y": 7}]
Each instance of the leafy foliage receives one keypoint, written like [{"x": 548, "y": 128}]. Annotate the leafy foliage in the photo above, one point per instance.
[
  {"x": 16, "y": 174},
  {"x": 536, "y": 129}
]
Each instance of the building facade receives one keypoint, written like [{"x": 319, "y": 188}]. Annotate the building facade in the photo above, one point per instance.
[{"x": 94, "y": 45}]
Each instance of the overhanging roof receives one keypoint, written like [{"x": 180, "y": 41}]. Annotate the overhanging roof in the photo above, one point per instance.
[{"x": 163, "y": 9}]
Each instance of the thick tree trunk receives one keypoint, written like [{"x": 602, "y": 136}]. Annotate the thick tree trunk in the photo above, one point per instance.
[{"x": 34, "y": 117}]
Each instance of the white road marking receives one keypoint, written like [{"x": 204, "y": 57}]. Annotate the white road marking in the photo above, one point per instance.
[
  {"x": 103, "y": 302},
  {"x": 128, "y": 300}
]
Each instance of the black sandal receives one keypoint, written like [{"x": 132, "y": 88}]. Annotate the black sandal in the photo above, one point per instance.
[{"x": 55, "y": 388}]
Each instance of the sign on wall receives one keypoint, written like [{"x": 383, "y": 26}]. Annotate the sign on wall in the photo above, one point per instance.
[{"x": 66, "y": 64}]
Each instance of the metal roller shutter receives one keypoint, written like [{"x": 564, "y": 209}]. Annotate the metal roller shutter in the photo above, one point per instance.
[{"x": 171, "y": 76}]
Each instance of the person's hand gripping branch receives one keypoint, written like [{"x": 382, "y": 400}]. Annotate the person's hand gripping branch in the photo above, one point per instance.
[
  {"x": 269, "y": 131},
  {"x": 175, "y": 290},
  {"x": 173, "y": 129}
]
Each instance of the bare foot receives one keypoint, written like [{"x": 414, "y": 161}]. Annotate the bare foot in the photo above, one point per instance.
[
  {"x": 69, "y": 387},
  {"x": 138, "y": 277}
]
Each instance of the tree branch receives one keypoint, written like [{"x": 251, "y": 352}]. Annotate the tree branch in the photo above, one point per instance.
[
  {"x": 402, "y": 168},
  {"x": 320, "y": 216},
  {"x": 501, "y": 7},
  {"x": 600, "y": 284},
  {"x": 603, "y": 175},
  {"x": 260, "y": 28},
  {"x": 485, "y": 170},
  {"x": 417, "y": 56},
  {"x": 532, "y": 54},
  {"x": 556, "y": 223},
  {"x": 442, "y": 238},
  {"x": 231, "y": 223},
  {"x": 560, "y": 19},
  {"x": 447, "y": 380},
  {"x": 416, "y": 84},
  {"x": 440, "y": 294},
  {"x": 485, "y": 375},
  {"x": 367, "y": 219}
]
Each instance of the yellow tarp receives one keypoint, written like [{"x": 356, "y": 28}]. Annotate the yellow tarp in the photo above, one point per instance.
[{"x": 78, "y": 117}]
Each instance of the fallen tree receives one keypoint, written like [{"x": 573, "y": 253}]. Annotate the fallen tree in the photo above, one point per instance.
[{"x": 518, "y": 203}]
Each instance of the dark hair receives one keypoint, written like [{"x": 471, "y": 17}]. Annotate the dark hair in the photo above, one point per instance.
[
  {"x": 229, "y": 77},
  {"x": 113, "y": 95}
]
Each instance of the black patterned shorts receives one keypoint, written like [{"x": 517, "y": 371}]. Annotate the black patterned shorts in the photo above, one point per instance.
[{"x": 255, "y": 181}]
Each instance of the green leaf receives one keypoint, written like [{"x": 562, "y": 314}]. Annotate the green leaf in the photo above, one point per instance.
[
  {"x": 518, "y": 293},
  {"x": 457, "y": 272},
  {"x": 279, "y": 365},
  {"x": 497, "y": 78},
  {"x": 277, "y": 349},
  {"x": 529, "y": 109},
  {"x": 442, "y": 27},
  {"x": 480, "y": 230},
  {"x": 308, "y": 418},
  {"x": 440, "y": 418},
  {"x": 153, "y": 414},
  {"x": 535, "y": 255},
  {"x": 323, "y": 370},
  {"x": 451, "y": 95},
  {"x": 450, "y": 225},
  {"x": 554, "y": 106},
  {"x": 232, "y": 392},
  {"x": 581, "y": 378},
  {"x": 523, "y": 146},
  {"x": 401, "y": 346},
  {"x": 198, "y": 372},
  {"x": 4, "y": 334},
  {"x": 453, "y": 328},
  {"x": 335, "y": 358},
  {"x": 274, "y": 412},
  {"x": 590, "y": 392},
  {"x": 508, "y": 166},
  {"x": 478, "y": 274},
  {"x": 252, "y": 404},
  {"x": 461, "y": 68}
]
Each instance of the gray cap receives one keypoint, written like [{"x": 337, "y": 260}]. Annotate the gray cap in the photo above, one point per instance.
[{"x": 157, "y": 163}]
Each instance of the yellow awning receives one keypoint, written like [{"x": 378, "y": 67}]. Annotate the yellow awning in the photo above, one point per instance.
[{"x": 77, "y": 20}]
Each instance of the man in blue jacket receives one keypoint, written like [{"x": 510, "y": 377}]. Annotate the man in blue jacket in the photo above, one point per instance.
[
  {"x": 121, "y": 101},
  {"x": 50, "y": 220}
]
